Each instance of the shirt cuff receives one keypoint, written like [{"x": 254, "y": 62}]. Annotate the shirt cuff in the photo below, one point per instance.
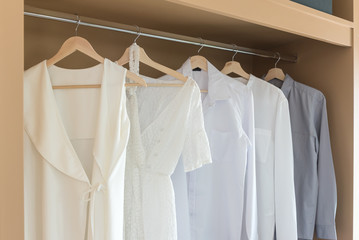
[{"x": 326, "y": 232}]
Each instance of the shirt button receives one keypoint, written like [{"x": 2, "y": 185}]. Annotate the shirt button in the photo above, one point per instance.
[
  {"x": 155, "y": 155},
  {"x": 161, "y": 129}
]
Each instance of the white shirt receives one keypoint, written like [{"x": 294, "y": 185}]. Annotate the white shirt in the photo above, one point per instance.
[
  {"x": 221, "y": 196},
  {"x": 74, "y": 153},
  {"x": 274, "y": 157},
  {"x": 165, "y": 123}
]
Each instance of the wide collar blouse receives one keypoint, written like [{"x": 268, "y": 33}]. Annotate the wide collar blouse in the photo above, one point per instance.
[{"x": 57, "y": 188}]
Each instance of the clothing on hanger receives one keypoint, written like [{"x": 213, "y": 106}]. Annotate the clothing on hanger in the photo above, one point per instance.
[
  {"x": 74, "y": 153},
  {"x": 221, "y": 196},
  {"x": 274, "y": 162},
  {"x": 314, "y": 174},
  {"x": 166, "y": 122}
]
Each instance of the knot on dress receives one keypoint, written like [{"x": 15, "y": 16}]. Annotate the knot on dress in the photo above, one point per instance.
[{"x": 93, "y": 189}]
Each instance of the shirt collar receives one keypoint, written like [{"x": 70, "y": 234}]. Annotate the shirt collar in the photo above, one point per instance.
[
  {"x": 287, "y": 85},
  {"x": 217, "y": 87}
]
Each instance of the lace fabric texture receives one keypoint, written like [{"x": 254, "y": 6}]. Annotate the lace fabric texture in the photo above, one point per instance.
[
  {"x": 161, "y": 123},
  {"x": 135, "y": 59},
  {"x": 135, "y": 162}
]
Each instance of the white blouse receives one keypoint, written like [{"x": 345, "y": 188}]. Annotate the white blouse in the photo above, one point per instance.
[
  {"x": 275, "y": 165},
  {"x": 74, "y": 153},
  {"x": 165, "y": 123}
]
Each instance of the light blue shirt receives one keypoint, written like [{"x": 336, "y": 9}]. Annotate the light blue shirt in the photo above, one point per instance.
[{"x": 314, "y": 177}]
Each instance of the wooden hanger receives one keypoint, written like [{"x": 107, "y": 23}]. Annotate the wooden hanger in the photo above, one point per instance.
[
  {"x": 144, "y": 58},
  {"x": 76, "y": 43},
  {"x": 200, "y": 62},
  {"x": 275, "y": 72},
  {"x": 234, "y": 67}
]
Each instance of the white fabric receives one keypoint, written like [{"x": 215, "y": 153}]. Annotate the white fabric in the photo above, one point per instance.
[
  {"x": 135, "y": 59},
  {"x": 165, "y": 123},
  {"x": 74, "y": 153},
  {"x": 221, "y": 196},
  {"x": 274, "y": 157}
]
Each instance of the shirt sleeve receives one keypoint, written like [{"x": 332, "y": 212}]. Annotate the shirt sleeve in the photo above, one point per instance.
[
  {"x": 196, "y": 151},
  {"x": 327, "y": 191},
  {"x": 285, "y": 205},
  {"x": 250, "y": 190}
]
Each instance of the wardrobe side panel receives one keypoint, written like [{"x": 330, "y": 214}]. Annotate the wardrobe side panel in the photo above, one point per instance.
[
  {"x": 11, "y": 121},
  {"x": 356, "y": 134},
  {"x": 43, "y": 38},
  {"x": 356, "y": 120},
  {"x": 329, "y": 69}
]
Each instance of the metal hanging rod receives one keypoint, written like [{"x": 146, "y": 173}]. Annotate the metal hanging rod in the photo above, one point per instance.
[{"x": 145, "y": 32}]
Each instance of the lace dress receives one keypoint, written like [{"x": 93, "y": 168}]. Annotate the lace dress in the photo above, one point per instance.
[{"x": 166, "y": 122}]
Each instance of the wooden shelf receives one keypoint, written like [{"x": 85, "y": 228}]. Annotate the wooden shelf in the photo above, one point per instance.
[
  {"x": 243, "y": 22},
  {"x": 284, "y": 15}
]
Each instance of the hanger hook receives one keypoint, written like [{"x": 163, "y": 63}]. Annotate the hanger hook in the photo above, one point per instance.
[
  {"x": 138, "y": 33},
  {"x": 275, "y": 65},
  {"x": 235, "y": 51},
  {"x": 202, "y": 45},
  {"x": 77, "y": 24}
]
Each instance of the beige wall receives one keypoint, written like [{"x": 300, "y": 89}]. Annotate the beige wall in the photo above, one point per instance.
[
  {"x": 356, "y": 120},
  {"x": 343, "y": 9},
  {"x": 329, "y": 69},
  {"x": 11, "y": 164}
]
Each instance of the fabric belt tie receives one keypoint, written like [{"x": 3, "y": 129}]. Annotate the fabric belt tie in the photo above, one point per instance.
[{"x": 92, "y": 191}]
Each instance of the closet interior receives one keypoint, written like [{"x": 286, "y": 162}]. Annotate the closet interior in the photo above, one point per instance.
[{"x": 324, "y": 45}]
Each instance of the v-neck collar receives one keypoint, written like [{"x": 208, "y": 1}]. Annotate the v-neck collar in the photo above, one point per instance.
[
  {"x": 177, "y": 96},
  {"x": 44, "y": 125}
]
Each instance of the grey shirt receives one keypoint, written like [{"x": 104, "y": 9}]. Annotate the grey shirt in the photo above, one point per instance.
[{"x": 314, "y": 177}]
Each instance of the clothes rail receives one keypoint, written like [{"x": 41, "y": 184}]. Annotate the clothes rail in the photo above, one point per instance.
[{"x": 145, "y": 32}]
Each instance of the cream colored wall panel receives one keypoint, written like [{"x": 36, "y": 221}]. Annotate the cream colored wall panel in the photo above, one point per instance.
[
  {"x": 283, "y": 15},
  {"x": 11, "y": 126},
  {"x": 356, "y": 135},
  {"x": 343, "y": 9}
]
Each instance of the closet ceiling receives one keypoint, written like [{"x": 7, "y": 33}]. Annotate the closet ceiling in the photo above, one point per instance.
[{"x": 170, "y": 17}]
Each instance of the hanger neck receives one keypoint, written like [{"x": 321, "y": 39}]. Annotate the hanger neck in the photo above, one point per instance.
[{"x": 200, "y": 62}]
